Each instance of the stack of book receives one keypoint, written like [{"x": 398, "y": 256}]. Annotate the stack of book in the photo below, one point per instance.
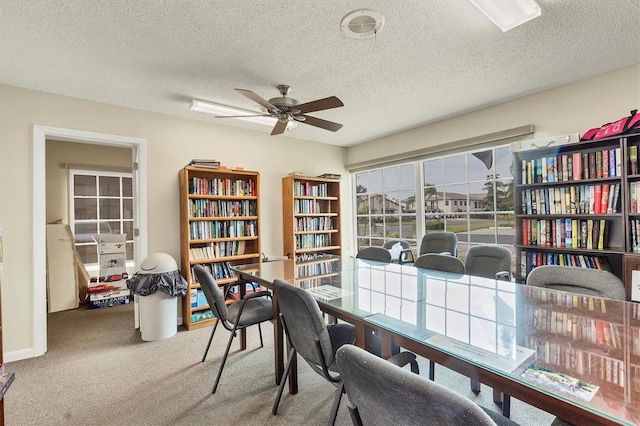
[{"x": 209, "y": 164}]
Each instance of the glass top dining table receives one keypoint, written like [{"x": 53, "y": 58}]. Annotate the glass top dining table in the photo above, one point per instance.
[{"x": 572, "y": 355}]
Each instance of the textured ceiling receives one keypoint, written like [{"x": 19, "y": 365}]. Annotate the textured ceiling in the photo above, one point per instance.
[{"x": 432, "y": 60}]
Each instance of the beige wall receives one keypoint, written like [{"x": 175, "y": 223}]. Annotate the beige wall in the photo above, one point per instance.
[
  {"x": 171, "y": 143},
  {"x": 59, "y": 154},
  {"x": 568, "y": 109}
]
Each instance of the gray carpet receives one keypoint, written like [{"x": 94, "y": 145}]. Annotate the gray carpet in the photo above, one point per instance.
[{"x": 98, "y": 371}]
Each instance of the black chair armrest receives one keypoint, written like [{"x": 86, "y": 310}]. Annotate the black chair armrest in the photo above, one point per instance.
[
  {"x": 403, "y": 358},
  {"x": 255, "y": 294},
  {"x": 503, "y": 275}
]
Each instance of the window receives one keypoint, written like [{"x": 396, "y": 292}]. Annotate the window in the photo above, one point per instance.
[
  {"x": 385, "y": 205},
  {"x": 100, "y": 203},
  {"x": 469, "y": 193}
]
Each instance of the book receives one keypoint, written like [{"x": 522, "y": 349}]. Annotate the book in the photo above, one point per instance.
[
  {"x": 330, "y": 176},
  {"x": 633, "y": 159},
  {"x": 210, "y": 164}
]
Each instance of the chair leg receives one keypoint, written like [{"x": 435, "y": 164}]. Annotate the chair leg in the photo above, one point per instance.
[
  {"x": 283, "y": 380},
  {"x": 336, "y": 404},
  {"x": 260, "y": 333},
  {"x": 224, "y": 360},
  {"x": 475, "y": 386},
  {"x": 206, "y": 351},
  {"x": 355, "y": 416}
]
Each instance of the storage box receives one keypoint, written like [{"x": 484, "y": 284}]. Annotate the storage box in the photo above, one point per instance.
[{"x": 109, "y": 298}]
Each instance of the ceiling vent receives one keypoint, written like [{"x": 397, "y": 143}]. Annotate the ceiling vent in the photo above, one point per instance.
[{"x": 362, "y": 23}]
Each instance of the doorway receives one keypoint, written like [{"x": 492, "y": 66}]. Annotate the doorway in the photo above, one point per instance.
[{"x": 138, "y": 160}]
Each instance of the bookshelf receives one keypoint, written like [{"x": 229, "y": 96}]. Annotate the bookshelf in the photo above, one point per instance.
[
  {"x": 311, "y": 217},
  {"x": 219, "y": 215},
  {"x": 570, "y": 206}
]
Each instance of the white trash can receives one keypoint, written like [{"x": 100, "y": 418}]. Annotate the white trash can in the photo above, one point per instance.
[{"x": 157, "y": 285}]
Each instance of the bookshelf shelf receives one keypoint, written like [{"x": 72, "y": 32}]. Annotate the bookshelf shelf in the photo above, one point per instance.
[
  {"x": 219, "y": 215},
  {"x": 311, "y": 216},
  {"x": 578, "y": 189}
]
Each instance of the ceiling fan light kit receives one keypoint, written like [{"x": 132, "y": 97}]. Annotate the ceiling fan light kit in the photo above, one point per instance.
[{"x": 508, "y": 14}]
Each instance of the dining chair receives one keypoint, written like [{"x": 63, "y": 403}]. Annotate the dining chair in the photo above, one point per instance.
[
  {"x": 405, "y": 254},
  {"x": 440, "y": 262},
  {"x": 377, "y": 254},
  {"x": 253, "y": 309},
  {"x": 382, "y": 393},
  {"x": 439, "y": 242},
  {"x": 315, "y": 341}
]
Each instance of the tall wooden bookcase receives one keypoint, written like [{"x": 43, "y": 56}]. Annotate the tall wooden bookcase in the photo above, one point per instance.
[
  {"x": 311, "y": 217},
  {"x": 578, "y": 204},
  {"x": 219, "y": 216}
]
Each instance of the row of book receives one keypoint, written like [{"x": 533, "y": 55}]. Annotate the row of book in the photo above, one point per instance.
[
  {"x": 590, "y": 234},
  {"x": 310, "y": 241},
  {"x": 634, "y": 197},
  {"x": 219, "y": 270},
  {"x": 304, "y": 257},
  {"x": 306, "y": 206},
  {"x": 580, "y": 361},
  {"x": 635, "y": 235},
  {"x": 313, "y": 224},
  {"x": 569, "y": 300},
  {"x": 319, "y": 268},
  {"x": 579, "y": 328},
  {"x": 573, "y": 166},
  {"x": 600, "y": 198},
  {"x": 635, "y": 341},
  {"x": 307, "y": 189},
  {"x": 222, "y": 187},
  {"x": 218, "y": 249},
  {"x": 202, "y": 316},
  {"x": 207, "y": 229},
  {"x": 531, "y": 259},
  {"x": 221, "y": 208}
]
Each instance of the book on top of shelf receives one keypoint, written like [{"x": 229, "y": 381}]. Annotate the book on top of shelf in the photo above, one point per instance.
[
  {"x": 330, "y": 176},
  {"x": 210, "y": 164}
]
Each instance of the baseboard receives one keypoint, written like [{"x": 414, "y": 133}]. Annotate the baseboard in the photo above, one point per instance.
[{"x": 18, "y": 355}]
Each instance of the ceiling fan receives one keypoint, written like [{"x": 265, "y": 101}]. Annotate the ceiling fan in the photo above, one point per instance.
[{"x": 287, "y": 109}]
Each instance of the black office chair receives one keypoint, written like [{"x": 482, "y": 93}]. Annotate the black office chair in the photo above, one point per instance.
[
  {"x": 377, "y": 254},
  {"x": 254, "y": 308},
  {"x": 381, "y": 393},
  {"x": 489, "y": 261},
  {"x": 444, "y": 242},
  {"x": 405, "y": 254},
  {"x": 440, "y": 262},
  {"x": 592, "y": 282},
  {"x": 314, "y": 340}
]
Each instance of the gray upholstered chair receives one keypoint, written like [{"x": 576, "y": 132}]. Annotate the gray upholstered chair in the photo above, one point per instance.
[
  {"x": 405, "y": 255},
  {"x": 488, "y": 261},
  {"x": 254, "y": 308},
  {"x": 592, "y": 282},
  {"x": 439, "y": 242},
  {"x": 440, "y": 262},
  {"x": 314, "y": 340},
  {"x": 381, "y": 393},
  {"x": 377, "y": 254}
]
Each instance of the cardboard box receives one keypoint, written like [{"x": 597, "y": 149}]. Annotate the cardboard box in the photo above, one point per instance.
[{"x": 109, "y": 298}]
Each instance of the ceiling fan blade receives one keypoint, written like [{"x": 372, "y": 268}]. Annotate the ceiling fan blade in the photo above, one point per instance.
[
  {"x": 323, "y": 124},
  {"x": 254, "y": 97},
  {"x": 279, "y": 128},
  {"x": 319, "y": 105}
]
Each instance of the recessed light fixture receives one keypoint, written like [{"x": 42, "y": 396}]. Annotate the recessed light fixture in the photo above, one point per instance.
[
  {"x": 508, "y": 14},
  {"x": 362, "y": 23},
  {"x": 227, "y": 111}
]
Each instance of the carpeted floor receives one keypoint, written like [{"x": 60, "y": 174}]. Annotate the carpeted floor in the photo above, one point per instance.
[{"x": 98, "y": 371}]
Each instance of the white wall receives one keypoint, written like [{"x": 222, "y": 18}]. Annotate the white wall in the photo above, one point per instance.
[
  {"x": 171, "y": 143},
  {"x": 568, "y": 109}
]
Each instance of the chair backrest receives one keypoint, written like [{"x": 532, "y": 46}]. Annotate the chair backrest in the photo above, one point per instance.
[
  {"x": 390, "y": 243},
  {"x": 440, "y": 262},
  {"x": 439, "y": 242},
  {"x": 384, "y": 393},
  {"x": 213, "y": 294},
  {"x": 593, "y": 282},
  {"x": 304, "y": 324},
  {"x": 486, "y": 260},
  {"x": 377, "y": 254}
]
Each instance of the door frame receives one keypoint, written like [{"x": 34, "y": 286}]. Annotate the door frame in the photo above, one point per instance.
[{"x": 139, "y": 157}]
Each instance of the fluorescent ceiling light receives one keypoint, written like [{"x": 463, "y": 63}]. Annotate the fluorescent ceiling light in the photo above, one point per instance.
[
  {"x": 223, "y": 110},
  {"x": 508, "y": 14}
]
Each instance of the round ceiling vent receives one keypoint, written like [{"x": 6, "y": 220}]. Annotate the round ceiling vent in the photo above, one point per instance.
[{"x": 362, "y": 23}]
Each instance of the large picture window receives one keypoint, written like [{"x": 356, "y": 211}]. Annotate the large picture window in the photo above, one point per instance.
[
  {"x": 100, "y": 203},
  {"x": 468, "y": 193}
]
